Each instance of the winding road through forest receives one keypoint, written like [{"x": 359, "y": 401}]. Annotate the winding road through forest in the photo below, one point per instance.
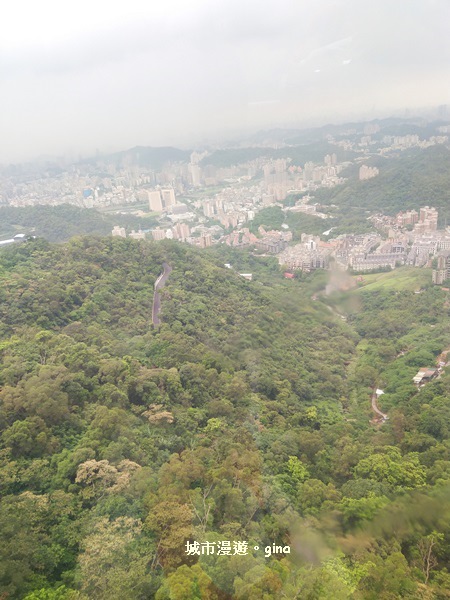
[
  {"x": 376, "y": 410},
  {"x": 159, "y": 283}
]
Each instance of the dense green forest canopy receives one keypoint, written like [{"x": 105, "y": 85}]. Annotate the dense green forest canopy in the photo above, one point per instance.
[
  {"x": 244, "y": 417},
  {"x": 340, "y": 220}
]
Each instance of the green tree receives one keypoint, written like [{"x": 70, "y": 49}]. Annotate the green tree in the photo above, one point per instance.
[
  {"x": 187, "y": 583},
  {"x": 115, "y": 561},
  {"x": 393, "y": 468}
]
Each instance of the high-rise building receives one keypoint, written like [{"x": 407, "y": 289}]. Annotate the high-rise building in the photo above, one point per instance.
[
  {"x": 308, "y": 171},
  {"x": 168, "y": 197},
  {"x": 442, "y": 273},
  {"x": 267, "y": 170},
  {"x": 409, "y": 217},
  {"x": 195, "y": 174},
  {"x": 280, "y": 165},
  {"x": 158, "y": 234},
  {"x": 205, "y": 240},
  {"x": 330, "y": 159},
  {"x": 154, "y": 200},
  {"x": 209, "y": 208},
  {"x": 428, "y": 216},
  {"x": 181, "y": 231}
]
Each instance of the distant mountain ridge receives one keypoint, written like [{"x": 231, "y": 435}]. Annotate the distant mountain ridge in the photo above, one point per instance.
[
  {"x": 302, "y": 145},
  {"x": 388, "y": 126},
  {"x": 145, "y": 156}
]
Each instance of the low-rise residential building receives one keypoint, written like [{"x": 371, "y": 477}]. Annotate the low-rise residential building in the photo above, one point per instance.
[
  {"x": 302, "y": 258},
  {"x": 370, "y": 262},
  {"x": 118, "y": 231},
  {"x": 19, "y": 237},
  {"x": 273, "y": 241},
  {"x": 421, "y": 251},
  {"x": 424, "y": 375},
  {"x": 366, "y": 172},
  {"x": 137, "y": 235}
]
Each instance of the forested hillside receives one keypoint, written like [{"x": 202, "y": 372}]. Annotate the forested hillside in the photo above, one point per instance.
[
  {"x": 413, "y": 179},
  {"x": 298, "y": 154},
  {"x": 243, "y": 421},
  {"x": 60, "y": 223}
]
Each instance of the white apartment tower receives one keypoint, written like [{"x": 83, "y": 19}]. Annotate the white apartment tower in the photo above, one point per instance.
[
  {"x": 154, "y": 200},
  {"x": 195, "y": 173}
]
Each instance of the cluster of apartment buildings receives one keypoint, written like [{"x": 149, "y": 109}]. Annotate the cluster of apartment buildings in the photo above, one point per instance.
[
  {"x": 82, "y": 186},
  {"x": 366, "y": 172},
  {"x": 239, "y": 203},
  {"x": 423, "y": 221},
  {"x": 113, "y": 182},
  {"x": 418, "y": 232},
  {"x": 310, "y": 254},
  {"x": 326, "y": 173},
  {"x": 234, "y": 205},
  {"x": 158, "y": 199},
  {"x": 180, "y": 232},
  {"x": 273, "y": 242},
  {"x": 240, "y": 239},
  {"x": 415, "y": 246},
  {"x": 358, "y": 252},
  {"x": 121, "y": 232},
  {"x": 405, "y": 142},
  {"x": 368, "y": 252},
  {"x": 413, "y": 237},
  {"x": 280, "y": 180},
  {"x": 370, "y": 143}
]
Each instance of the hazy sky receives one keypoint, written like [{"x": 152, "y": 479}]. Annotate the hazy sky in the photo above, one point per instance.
[{"x": 105, "y": 74}]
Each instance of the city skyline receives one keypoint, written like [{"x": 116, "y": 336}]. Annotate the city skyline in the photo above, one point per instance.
[{"x": 111, "y": 76}]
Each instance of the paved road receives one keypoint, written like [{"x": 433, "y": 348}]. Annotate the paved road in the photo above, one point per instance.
[
  {"x": 159, "y": 283},
  {"x": 375, "y": 408}
]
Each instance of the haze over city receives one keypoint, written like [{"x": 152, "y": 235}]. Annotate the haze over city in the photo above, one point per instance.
[{"x": 82, "y": 77}]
